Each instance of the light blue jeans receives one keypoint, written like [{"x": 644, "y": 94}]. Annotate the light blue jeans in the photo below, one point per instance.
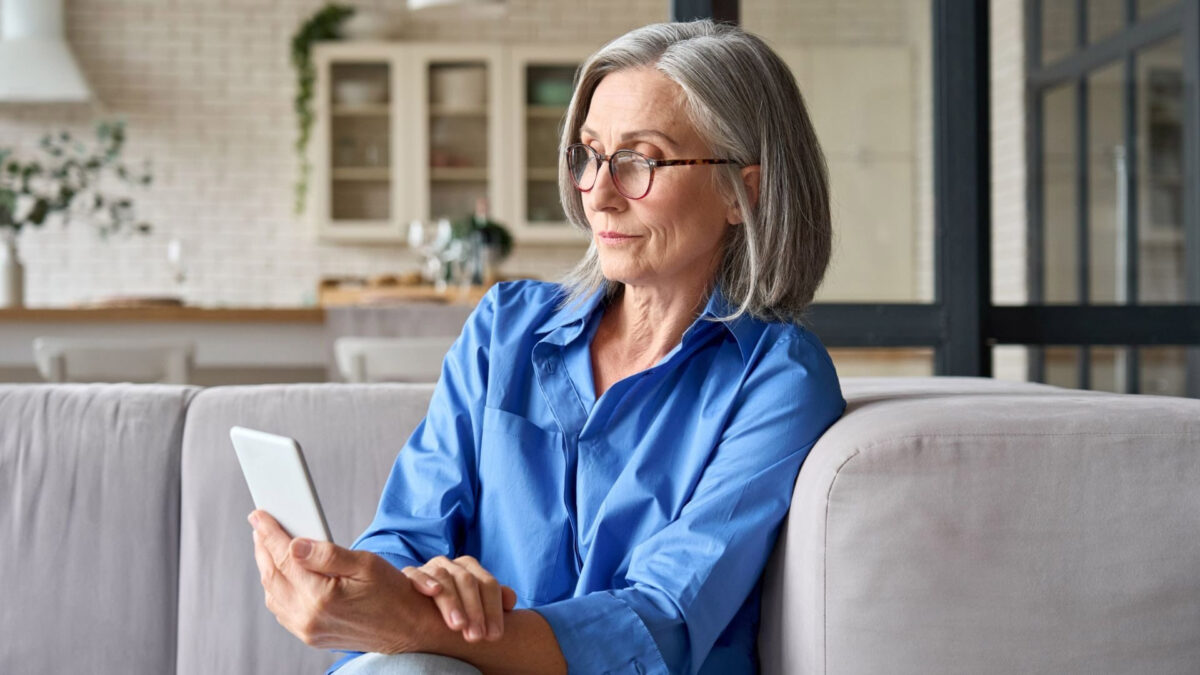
[{"x": 407, "y": 664}]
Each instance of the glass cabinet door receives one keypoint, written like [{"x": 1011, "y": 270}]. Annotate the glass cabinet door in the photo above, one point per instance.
[
  {"x": 360, "y": 141},
  {"x": 458, "y": 137},
  {"x": 547, "y": 93},
  {"x": 545, "y": 82},
  {"x": 455, "y": 151}
]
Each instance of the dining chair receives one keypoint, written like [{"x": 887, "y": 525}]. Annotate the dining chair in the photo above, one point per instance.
[
  {"x": 62, "y": 359},
  {"x": 400, "y": 359}
]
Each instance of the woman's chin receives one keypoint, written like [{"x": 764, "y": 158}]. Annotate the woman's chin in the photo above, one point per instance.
[{"x": 618, "y": 270}]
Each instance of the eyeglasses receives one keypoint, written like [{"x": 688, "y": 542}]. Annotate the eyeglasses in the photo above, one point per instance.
[{"x": 632, "y": 172}]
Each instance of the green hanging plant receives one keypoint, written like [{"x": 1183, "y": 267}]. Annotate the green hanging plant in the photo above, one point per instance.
[{"x": 326, "y": 24}]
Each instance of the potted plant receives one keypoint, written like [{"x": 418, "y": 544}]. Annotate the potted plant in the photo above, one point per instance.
[
  {"x": 64, "y": 183},
  {"x": 486, "y": 243}
]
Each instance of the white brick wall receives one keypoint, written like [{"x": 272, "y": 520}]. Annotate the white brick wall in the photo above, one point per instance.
[{"x": 206, "y": 88}]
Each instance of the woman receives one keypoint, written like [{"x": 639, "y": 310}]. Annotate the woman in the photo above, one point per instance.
[{"x": 605, "y": 463}]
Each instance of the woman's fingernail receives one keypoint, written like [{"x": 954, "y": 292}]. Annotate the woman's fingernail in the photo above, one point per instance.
[
  {"x": 456, "y": 618},
  {"x": 494, "y": 631},
  {"x": 431, "y": 583},
  {"x": 253, "y": 518},
  {"x": 302, "y": 548},
  {"x": 472, "y": 633}
]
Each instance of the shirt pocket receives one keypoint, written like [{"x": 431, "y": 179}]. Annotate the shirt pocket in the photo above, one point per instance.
[{"x": 523, "y": 527}]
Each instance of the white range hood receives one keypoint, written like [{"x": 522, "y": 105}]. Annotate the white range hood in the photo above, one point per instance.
[{"x": 36, "y": 65}]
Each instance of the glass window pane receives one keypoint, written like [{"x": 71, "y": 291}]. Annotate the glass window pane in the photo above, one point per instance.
[
  {"x": 1011, "y": 362},
  {"x": 866, "y": 77},
  {"x": 1163, "y": 370},
  {"x": 1060, "y": 211},
  {"x": 1146, "y": 8},
  {"x": 1108, "y": 369},
  {"x": 1059, "y": 26},
  {"x": 883, "y": 362},
  {"x": 1062, "y": 366},
  {"x": 1009, "y": 240},
  {"x": 1106, "y": 171},
  {"x": 1161, "y": 271},
  {"x": 1104, "y": 17}
]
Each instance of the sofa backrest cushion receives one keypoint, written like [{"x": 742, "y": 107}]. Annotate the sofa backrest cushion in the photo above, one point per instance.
[
  {"x": 950, "y": 526},
  {"x": 89, "y": 512},
  {"x": 350, "y": 435}
]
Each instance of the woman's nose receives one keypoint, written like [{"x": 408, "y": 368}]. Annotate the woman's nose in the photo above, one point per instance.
[{"x": 604, "y": 193}]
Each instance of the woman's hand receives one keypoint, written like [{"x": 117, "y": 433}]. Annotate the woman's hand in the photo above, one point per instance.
[
  {"x": 333, "y": 597},
  {"x": 468, "y": 596}
]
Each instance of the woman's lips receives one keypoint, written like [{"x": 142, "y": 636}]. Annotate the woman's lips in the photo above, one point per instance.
[{"x": 616, "y": 237}]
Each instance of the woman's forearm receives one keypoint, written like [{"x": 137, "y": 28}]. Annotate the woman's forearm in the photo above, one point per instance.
[{"x": 527, "y": 646}]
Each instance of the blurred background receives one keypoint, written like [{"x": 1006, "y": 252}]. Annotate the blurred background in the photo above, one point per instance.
[{"x": 424, "y": 111}]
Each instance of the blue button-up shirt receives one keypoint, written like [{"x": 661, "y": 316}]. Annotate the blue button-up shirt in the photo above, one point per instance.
[{"x": 637, "y": 524}]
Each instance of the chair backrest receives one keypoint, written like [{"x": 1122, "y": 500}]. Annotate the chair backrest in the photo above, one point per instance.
[
  {"x": 113, "y": 360},
  {"x": 407, "y": 359}
]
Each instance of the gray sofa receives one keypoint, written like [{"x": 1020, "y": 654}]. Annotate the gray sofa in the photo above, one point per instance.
[{"x": 942, "y": 525}]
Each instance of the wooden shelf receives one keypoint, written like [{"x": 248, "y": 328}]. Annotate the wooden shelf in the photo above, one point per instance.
[
  {"x": 368, "y": 110},
  {"x": 333, "y": 296},
  {"x": 545, "y": 112},
  {"x": 467, "y": 174},
  {"x": 364, "y": 173},
  {"x": 165, "y": 314},
  {"x": 443, "y": 111}
]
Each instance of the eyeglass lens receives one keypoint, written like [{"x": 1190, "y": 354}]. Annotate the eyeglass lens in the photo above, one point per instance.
[{"x": 630, "y": 171}]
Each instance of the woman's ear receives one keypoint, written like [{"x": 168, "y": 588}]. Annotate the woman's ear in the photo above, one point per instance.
[{"x": 750, "y": 179}]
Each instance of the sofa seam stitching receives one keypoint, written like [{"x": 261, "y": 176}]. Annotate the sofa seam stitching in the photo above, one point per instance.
[{"x": 825, "y": 566}]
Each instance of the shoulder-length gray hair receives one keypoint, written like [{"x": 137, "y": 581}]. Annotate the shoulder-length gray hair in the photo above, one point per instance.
[{"x": 744, "y": 102}]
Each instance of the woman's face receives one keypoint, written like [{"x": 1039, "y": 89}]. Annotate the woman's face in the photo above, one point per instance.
[{"x": 671, "y": 238}]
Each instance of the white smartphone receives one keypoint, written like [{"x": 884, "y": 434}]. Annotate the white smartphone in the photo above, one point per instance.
[{"x": 279, "y": 482}]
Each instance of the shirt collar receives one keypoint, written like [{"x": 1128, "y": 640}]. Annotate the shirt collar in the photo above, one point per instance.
[
  {"x": 746, "y": 330},
  {"x": 575, "y": 312}
]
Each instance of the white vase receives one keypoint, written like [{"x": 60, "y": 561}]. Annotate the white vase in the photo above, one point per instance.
[{"x": 12, "y": 272}]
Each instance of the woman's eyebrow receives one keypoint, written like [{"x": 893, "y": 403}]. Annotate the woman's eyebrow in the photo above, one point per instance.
[{"x": 638, "y": 133}]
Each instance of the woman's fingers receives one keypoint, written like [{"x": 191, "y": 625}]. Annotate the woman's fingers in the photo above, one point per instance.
[
  {"x": 469, "y": 598},
  {"x": 508, "y": 598},
  {"x": 425, "y": 584},
  {"x": 490, "y": 596},
  {"x": 472, "y": 602},
  {"x": 447, "y": 600}
]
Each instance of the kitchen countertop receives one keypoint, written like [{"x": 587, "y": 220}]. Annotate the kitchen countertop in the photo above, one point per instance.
[{"x": 164, "y": 315}]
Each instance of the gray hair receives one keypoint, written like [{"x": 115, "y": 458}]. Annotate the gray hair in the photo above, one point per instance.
[{"x": 743, "y": 101}]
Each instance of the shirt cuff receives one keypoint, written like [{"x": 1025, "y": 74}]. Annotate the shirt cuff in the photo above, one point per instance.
[
  {"x": 599, "y": 633},
  {"x": 385, "y": 547}
]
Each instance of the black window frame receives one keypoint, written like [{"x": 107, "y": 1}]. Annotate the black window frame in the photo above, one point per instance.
[{"x": 963, "y": 324}]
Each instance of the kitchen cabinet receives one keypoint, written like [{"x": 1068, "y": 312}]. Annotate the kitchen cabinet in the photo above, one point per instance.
[{"x": 408, "y": 131}]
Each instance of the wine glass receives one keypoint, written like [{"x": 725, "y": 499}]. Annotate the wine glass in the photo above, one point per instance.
[{"x": 176, "y": 265}]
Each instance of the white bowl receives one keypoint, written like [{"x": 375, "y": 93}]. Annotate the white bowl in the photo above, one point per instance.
[
  {"x": 359, "y": 92},
  {"x": 459, "y": 87}
]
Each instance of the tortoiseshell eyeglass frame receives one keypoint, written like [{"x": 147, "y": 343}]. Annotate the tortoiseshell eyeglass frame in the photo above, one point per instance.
[{"x": 651, "y": 165}]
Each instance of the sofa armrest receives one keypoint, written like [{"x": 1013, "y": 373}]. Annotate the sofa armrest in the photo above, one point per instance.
[{"x": 955, "y": 525}]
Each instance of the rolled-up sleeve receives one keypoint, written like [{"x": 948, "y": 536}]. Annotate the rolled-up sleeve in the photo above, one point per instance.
[
  {"x": 429, "y": 499},
  {"x": 686, "y": 582}
]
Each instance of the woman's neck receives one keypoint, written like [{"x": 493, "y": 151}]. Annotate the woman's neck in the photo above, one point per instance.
[{"x": 649, "y": 323}]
